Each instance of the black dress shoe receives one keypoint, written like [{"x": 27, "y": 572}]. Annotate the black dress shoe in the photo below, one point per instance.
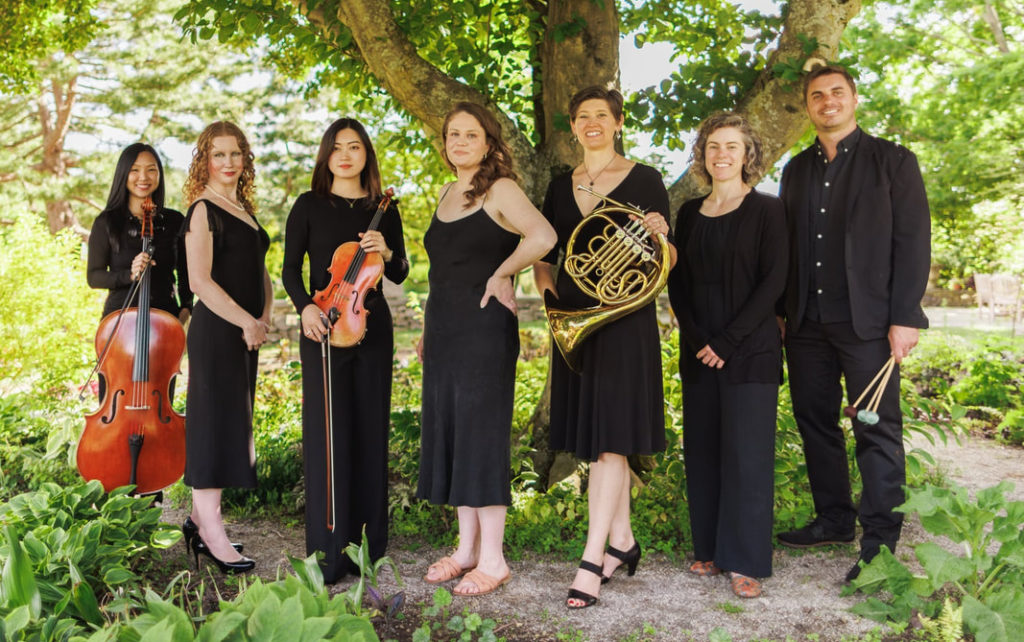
[
  {"x": 853, "y": 573},
  {"x": 816, "y": 533},
  {"x": 239, "y": 566},
  {"x": 191, "y": 532}
]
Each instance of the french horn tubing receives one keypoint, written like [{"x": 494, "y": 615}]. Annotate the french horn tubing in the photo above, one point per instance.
[{"x": 621, "y": 265}]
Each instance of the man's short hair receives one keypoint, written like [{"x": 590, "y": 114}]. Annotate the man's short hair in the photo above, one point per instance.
[{"x": 825, "y": 70}]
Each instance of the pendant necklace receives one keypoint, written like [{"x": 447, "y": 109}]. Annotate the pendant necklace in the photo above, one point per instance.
[{"x": 594, "y": 178}]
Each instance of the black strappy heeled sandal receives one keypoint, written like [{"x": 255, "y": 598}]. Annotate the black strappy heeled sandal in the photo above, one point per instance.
[
  {"x": 629, "y": 559},
  {"x": 586, "y": 598}
]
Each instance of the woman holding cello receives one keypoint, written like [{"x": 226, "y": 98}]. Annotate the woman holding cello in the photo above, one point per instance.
[
  {"x": 226, "y": 248},
  {"x": 135, "y": 437},
  {"x": 345, "y": 418}
]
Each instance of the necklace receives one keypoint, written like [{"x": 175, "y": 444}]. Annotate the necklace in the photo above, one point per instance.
[
  {"x": 594, "y": 178},
  {"x": 224, "y": 198},
  {"x": 351, "y": 201}
]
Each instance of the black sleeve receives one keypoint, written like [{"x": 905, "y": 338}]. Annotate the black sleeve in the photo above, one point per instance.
[
  {"x": 772, "y": 264},
  {"x": 911, "y": 243},
  {"x": 98, "y": 272},
  {"x": 679, "y": 291},
  {"x": 296, "y": 244},
  {"x": 185, "y": 296},
  {"x": 398, "y": 267}
]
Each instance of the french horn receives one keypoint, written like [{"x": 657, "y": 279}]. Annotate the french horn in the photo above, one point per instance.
[{"x": 621, "y": 265}]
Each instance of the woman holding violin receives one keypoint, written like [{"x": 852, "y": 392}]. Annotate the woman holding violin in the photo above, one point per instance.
[
  {"x": 116, "y": 259},
  {"x": 226, "y": 247},
  {"x": 341, "y": 209}
]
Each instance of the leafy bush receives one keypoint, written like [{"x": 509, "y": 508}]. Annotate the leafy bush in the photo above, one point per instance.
[
  {"x": 67, "y": 549},
  {"x": 35, "y": 354},
  {"x": 1011, "y": 428},
  {"x": 38, "y": 440},
  {"x": 988, "y": 580},
  {"x": 936, "y": 362},
  {"x": 993, "y": 381}
]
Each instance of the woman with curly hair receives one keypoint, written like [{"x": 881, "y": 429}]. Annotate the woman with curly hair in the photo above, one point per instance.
[
  {"x": 483, "y": 232},
  {"x": 226, "y": 247},
  {"x": 732, "y": 269}
]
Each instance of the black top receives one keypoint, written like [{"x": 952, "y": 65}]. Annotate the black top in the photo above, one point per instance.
[
  {"x": 731, "y": 271},
  {"x": 828, "y": 298},
  {"x": 112, "y": 269},
  {"x": 317, "y": 225},
  {"x": 886, "y": 236}
]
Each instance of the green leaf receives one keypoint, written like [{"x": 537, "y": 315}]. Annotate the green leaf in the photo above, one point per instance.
[
  {"x": 17, "y": 583},
  {"x": 942, "y": 566},
  {"x": 118, "y": 575},
  {"x": 84, "y": 601},
  {"x": 986, "y": 624}
]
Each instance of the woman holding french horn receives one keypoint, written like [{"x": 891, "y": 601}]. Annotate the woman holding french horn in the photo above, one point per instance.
[{"x": 606, "y": 381}]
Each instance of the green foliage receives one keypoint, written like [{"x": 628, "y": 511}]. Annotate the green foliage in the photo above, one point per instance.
[
  {"x": 443, "y": 625},
  {"x": 987, "y": 580},
  {"x": 943, "y": 78},
  {"x": 1011, "y": 429},
  {"x": 990, "y": 382},
  {"x": 936, "y": 362},
  {"x": 67, "y": 549},
  {"x": 277, "y": 433},
  {"x": 38, "y": 438},
  {"x": 36, "y": 29},
  {"x": 46, "y": 333}
]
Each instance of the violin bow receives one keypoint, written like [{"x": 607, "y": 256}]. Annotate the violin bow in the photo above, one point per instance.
[{"x": 325, "y": 359}]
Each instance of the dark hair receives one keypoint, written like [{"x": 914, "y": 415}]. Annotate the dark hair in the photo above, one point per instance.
[
  {"x": 610, "y": 96},
  {"x": 199, "y": 170},
  {"x": 826, "y": 70},
  {"x": 369, "y": 178},
  {"x": 117, "y": 201},
  {"x": 753, "y": 159},
  {"x": 497, "y": 162}
]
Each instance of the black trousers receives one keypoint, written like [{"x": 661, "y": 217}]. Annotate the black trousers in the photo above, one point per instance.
[
  {"x": 729, "y": 452},
  {"x": 361, "y": 380},
  {"x": 818, "y": 354}
]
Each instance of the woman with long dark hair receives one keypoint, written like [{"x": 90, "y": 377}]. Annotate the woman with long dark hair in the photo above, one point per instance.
[
  {"x": 226, "y": 247},
  {"x": 346, "y": 189},
  {"x": 116, "y": 259},
  {"x": 483, "y": 232}
]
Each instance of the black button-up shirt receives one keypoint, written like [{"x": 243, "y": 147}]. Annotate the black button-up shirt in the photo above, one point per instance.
[{"x": 828, "y": 300}]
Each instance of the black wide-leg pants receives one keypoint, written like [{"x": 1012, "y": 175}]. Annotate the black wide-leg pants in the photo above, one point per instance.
[
  {"x": 729, "y": 452},
  {"x": 361, "y": 381},
  {"x": 818, "y": 354}
]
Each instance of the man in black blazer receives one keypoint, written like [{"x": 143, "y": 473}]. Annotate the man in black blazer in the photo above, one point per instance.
[{"x": 860, "y": 234}]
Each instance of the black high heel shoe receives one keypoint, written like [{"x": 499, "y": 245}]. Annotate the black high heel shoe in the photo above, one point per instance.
[
  {"x": 240, "y": 566},
  {"x": 191, "y": 532},
  {"x": 629, "y": 559},
  {"x": 576, "y": 594}
]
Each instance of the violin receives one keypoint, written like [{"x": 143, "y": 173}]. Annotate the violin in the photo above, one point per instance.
[
  {"x": 136, "y": 437},
  {"x": 354, "y": 272}
]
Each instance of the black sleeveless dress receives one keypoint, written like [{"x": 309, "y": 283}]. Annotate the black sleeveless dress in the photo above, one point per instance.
[
  {"x": 219, "y": 450},
  {"x": 616, "y": 404},
  {"x": 469, "y": 366}
]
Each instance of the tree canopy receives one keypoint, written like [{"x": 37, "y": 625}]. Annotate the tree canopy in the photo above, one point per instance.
[{"x": 525, "y": 59}]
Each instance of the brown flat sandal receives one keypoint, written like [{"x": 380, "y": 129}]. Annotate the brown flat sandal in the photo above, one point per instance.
[
  {"x": 704, "y": 569},
  {"x": 484, "y": 583},
  {"x": 449, "y": 571},
  {"x": 743, "y": 586}
]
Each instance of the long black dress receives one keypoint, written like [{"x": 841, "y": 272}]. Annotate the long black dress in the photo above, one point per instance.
[
  {"x": 219, "y": 450},
  {"x": 116, "y": 239},
  {"x": 616, "y": 404},
  {"x": 469, "y": 366},
  {"x": 360, "y": 379}
]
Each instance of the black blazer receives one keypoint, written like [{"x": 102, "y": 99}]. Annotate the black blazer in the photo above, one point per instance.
[
  {"x": 755, "y": 276},
  {"x": 887, "y": 243}
]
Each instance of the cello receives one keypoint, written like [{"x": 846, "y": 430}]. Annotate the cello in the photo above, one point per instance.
[
  {"x": 135, "y": 436},
  {"x": 354, "y": 273}
]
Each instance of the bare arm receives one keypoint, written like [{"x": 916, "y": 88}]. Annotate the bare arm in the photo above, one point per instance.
[
  {"x": 199, "y": 253},
  {"x": 516, "y": 211}
]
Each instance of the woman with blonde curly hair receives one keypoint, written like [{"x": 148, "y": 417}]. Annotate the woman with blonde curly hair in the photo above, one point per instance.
[
  {"x": 225, "y": 247},
  {"x": 483, "y": 232},
  {"x": 731, "y": 271}
]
